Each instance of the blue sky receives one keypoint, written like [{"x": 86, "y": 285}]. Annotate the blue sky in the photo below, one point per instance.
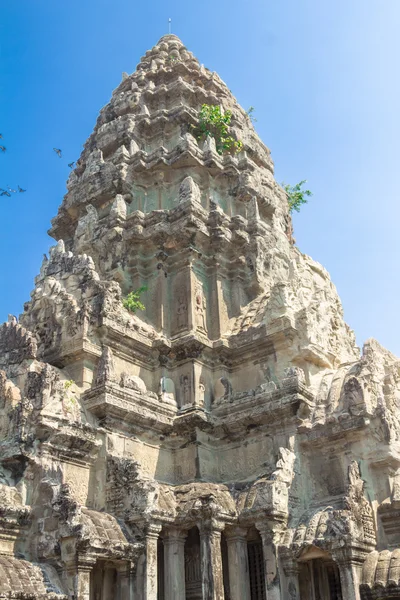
[{"x": 323, "y": 78}]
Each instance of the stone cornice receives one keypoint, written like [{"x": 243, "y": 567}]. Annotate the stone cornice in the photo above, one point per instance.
[
  {"x": 321, "y": 434},
  {"x": 122, "y": 404}
]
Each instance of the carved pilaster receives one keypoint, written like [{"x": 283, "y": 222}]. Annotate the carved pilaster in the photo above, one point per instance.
[
  {"x": 77, "y": 575},
  {"x": 291, "y": 569},
  {"x": 216, "y": 304},
  {"x": 105, "y": 368},
  {"x": 151, "y": 572},
  {"x": 161, "y": 307},
  {"x": 174, "y": 564},
  {"x": 211, "y": 561},
  {"x": 350, "y": 563},
  {"x": 270, "y": 539},
  {"x": 238, "y": 563},
  {"x": 192, "y": 313},
  {"x": 180, "y": 303}
]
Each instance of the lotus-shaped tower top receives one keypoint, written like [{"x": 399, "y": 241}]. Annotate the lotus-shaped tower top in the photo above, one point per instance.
[{"x": 157, "y": 205}]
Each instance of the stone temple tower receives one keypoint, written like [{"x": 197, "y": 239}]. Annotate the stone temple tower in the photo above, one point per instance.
[{"x": 226, "y": 443}]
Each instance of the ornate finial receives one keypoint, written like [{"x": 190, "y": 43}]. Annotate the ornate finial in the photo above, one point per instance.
[{"x": 169, "y": 25}]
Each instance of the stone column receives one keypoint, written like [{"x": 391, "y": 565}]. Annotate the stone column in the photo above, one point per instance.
[
  {"x": 238, "y": 563},
  {"x": 174, "y": 564},
  {"x": 350, "y": 571},
  {"x": 150, "y": 575},
  {"x": 80, "y": 573},
  {"x": 291, "y": 569},
  {"x": 271, "y": 566},
  {"x": 211, "y": 562}
]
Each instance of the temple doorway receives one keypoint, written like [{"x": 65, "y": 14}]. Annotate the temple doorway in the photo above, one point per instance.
[
  {"x": 103, "y": 582},
  {"x": 319, "y": 579}
]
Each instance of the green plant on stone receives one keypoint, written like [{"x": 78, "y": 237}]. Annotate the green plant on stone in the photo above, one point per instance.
[
  {"x": 132, "y": 301},
  {"x": 296, "y": 196},
  {"x": 70, "y": 404},
  {"x": 250, "y": 114},
  {"x": 213, "y": 122},
  {"x": 68, "y": 384},
  {"x": 173, "y": 59}
]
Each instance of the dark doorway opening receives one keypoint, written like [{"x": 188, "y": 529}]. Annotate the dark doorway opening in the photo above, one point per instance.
[
  {"x": 193, "y": 565},
  {"x": 103, "y": 582},
  {"x": 256, "y": 566},
  {"x": 320, "y": 580},
  {"x": 160, "y": 569}
]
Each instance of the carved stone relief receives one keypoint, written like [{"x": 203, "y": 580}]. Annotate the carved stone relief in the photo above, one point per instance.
[
  {"x": 182, "y": 309},
  {"x": 200, "y": 307}
]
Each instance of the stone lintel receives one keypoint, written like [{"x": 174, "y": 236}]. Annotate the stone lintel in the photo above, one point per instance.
[
  {"x": 333, "y": 432},
  {"x": 235, "y": 532},
  {"x": 72, "y": 351},
  {"x": 270, "y": 407},
  {"x": 127, "y": 405}
]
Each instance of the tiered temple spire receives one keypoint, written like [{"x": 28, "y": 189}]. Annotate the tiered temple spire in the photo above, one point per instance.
[{"x": 226, "y": 442}]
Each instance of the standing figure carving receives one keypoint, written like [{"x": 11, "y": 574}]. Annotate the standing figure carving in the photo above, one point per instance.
[
  {"x": 185, "y": 391},
  {"x": 200, "y": 308},
  {"x": 201, "y": 393},
  {"x": 181, "y": 311}
]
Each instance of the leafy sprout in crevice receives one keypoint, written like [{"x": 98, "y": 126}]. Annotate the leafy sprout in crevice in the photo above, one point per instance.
[
  {"x": 213, "y": 122},
  {"x": 172, "y": 59},
  {"x": 250, "y": 114},
  {"x": 132, "y": 301},
  {"x": 296, "y": 196}
]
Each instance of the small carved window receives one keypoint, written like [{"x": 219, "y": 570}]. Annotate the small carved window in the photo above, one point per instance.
[{"x": 256, "y": 570}]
